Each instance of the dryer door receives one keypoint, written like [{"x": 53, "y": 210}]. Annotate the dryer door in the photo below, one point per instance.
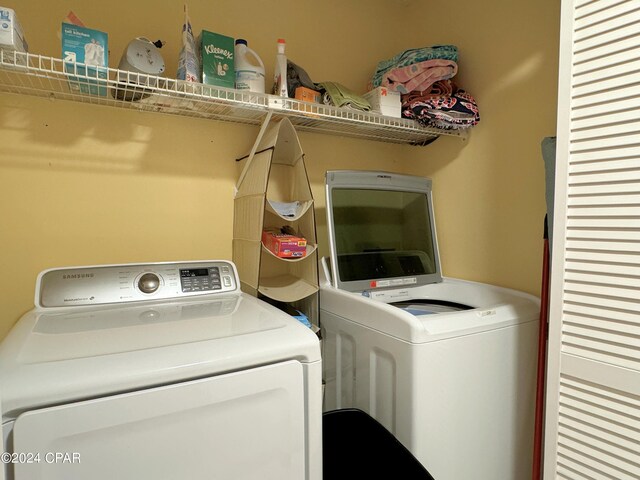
[{"x": 243, "y": 425}]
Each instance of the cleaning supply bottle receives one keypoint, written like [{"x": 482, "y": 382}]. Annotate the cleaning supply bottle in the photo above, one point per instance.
[
  {"x": 280, "y": 71},
  {"x": 249, "y": 76}
]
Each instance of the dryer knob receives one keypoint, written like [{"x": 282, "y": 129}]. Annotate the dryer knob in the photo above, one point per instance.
[{"x": 148, "y": 283}]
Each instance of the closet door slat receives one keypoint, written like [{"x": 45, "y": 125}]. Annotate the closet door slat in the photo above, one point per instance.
[{"x": 593, "y": 397}]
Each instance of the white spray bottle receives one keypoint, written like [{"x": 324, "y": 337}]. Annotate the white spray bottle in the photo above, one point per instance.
[{"x": 280, "y": 71}]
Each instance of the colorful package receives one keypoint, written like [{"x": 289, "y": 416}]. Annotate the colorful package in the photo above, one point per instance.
[
  {"x": 81, "y": 45},
  {"x": 284, "y": 245}
]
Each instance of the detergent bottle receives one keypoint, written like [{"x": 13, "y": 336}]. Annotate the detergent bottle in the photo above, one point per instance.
[
  {"x": 280, "y": 71},
  {"x": 249, "y": 68}
]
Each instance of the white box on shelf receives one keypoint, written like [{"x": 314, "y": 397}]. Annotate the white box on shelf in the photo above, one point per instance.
[
  {"x": 12, "y": 37},
  {"x": 385, "y": 101}
]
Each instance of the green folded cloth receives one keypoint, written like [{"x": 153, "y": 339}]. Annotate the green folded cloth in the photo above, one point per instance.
[{"x": 341, "y": 96}]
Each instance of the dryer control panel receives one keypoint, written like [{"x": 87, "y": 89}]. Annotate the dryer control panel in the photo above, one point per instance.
[{"x": 114, "y": 284}]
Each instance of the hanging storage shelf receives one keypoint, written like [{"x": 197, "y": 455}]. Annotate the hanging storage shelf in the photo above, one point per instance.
[
  {"x": 310, "y": 249},
  {"x": 272, "y": 191},
  {"x": 42, "y": 76},
  {"x": 298, "y": 209},
  {"x": 287, "y": 288}
]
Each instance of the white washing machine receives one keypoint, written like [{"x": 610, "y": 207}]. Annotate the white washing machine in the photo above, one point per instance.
[
  {"x": 158, "y": 371},
  {"x": 448, "y": 366}
]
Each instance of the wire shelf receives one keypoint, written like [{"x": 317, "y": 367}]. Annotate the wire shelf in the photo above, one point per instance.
[{"x": 37, "y": 75}]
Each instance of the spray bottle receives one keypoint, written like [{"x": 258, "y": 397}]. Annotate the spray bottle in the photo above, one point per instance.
[{"x": 280, "y": 71}]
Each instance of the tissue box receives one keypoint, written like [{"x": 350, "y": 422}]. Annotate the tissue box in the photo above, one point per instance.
[
  {"x": 284, "y": 245},
  {"x": 216, "y": 59},
  {"x": 84, "y": 45},
  {"x": 385, "y": 101},
  {"x": 11, "y": 35}
]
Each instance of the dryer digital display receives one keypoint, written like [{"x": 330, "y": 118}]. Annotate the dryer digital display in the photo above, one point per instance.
[{"x": 195, "y": 272}]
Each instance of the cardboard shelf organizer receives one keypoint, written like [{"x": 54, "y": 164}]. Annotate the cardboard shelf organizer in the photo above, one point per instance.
[{"x": 273, "y": 191}]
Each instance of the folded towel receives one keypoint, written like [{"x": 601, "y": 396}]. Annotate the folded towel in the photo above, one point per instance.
[
  {"x": 443, "y": 106},
  {"x": 414, "y": 55},
  {"x": 439, "y": 88},
  {"x": 340, "y": 96},
  {"x": 419, "y": 76},
  {"x": 444, "y": 120}
]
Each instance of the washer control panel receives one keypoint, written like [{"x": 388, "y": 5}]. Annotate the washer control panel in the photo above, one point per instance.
[{"x": 108, "y": 284}]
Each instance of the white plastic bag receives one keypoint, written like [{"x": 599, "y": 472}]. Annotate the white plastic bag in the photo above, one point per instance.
[{"x": 188, "y": 68}]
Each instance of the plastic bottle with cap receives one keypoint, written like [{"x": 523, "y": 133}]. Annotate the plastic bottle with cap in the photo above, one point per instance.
[
  {"x": 249, "y": 68},
  {"x": 280, "y": 71}
]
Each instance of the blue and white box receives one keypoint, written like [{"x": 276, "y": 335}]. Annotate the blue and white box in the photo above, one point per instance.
[
  {"x": 81, "y": 45},
  {"x": 12, "y": 37}
]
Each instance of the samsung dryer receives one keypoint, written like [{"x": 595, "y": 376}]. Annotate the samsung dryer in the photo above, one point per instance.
[
  {"x": 158, "y": 371},
  {"x": 446, "y": 365}
]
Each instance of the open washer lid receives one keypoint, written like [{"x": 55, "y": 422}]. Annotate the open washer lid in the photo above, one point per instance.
[
  {"x": 61, "y": 354},
  {"x": 381, "y": 230}
]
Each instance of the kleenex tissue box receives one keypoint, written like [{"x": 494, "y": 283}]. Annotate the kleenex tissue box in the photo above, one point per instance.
[
  {"x": 89, "y": 47},
  {"x": 216, "y": 59},
  {"x": 385, "y": 101}
]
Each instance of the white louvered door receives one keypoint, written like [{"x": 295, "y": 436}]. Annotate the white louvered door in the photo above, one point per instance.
[{"x": 593, "y": 384}]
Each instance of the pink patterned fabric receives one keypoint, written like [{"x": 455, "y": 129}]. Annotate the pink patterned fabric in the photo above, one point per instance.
[
  {"x": 444, "y": 106},
  {"x": 419, "y": 76}
]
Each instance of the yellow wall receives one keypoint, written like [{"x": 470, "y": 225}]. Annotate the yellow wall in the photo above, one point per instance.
[
  {"x": 489, "y": 191},
  {"x": 81, "y": 184}
]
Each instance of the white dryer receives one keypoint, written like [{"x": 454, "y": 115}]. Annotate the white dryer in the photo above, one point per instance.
[
  {"x": 448, "y": 366},
  {"x": 158, "y": 371}
]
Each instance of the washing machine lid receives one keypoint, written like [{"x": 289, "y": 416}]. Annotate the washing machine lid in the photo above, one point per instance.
[
  {"x": 381, "y": 230},
  {"x": 56, "y": 355}
]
